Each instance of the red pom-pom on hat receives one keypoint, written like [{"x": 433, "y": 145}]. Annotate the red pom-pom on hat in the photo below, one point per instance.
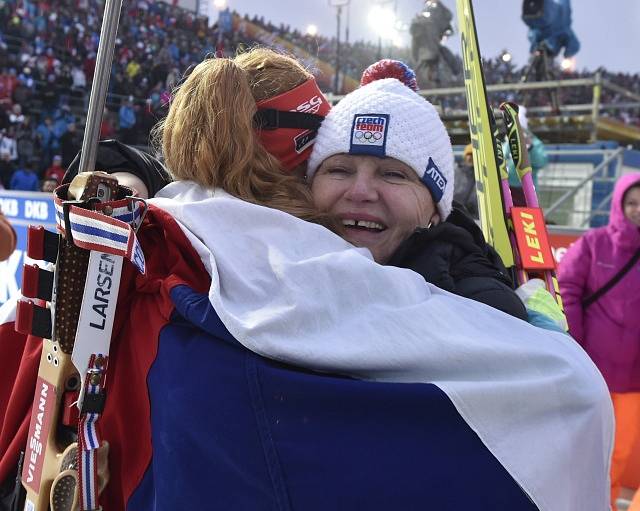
[{"x": 388, "y": 68}]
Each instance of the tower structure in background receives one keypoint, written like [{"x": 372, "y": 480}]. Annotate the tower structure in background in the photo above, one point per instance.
[{"x": 434, "y": 63}]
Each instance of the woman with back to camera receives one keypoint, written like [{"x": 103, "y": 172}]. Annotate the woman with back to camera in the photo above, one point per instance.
[{"x": 291, "y": 302}]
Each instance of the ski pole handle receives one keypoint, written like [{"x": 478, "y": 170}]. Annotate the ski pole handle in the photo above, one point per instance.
[{"x": 519, "y": 152}]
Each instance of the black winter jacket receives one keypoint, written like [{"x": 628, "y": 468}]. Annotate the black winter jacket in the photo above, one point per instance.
[{"x": 454, "y": 256}]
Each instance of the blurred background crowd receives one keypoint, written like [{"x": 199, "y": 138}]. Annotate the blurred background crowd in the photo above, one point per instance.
[{"x": 47, "y": 60}]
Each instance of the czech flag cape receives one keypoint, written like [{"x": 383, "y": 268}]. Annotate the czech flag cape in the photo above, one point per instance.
[{"x": 264, "y": 363}]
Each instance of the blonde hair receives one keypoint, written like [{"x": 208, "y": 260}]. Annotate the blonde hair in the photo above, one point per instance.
[{"x": 209, "y": 137}]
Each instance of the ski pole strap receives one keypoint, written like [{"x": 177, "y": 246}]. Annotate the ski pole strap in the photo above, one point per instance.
[
  {"x": 111, "y": 228},
  {"x": 88, "y": 438}
]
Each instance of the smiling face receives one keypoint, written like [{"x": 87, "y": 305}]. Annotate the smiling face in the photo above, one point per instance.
[
  {"x": 380, "y": 201},
  {"x": 631, "y": 205}
]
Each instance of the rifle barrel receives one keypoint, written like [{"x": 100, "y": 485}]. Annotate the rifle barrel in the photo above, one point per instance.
[{"x": 104, "y": 59}]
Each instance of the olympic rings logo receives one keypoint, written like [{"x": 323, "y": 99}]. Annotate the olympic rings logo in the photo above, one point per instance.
[{"x": 368, "y": 136}]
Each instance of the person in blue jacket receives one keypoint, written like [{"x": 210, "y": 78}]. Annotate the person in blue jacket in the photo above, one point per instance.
[
  {"x": 126, "y": 119},
  {"x": 25, "y": 178}
]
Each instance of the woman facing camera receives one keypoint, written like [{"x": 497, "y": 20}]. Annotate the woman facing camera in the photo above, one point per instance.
[{"x": 383, "y": 164}]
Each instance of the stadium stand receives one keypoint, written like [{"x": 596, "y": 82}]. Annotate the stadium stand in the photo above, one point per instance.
[{"x": 47, "y": 60}]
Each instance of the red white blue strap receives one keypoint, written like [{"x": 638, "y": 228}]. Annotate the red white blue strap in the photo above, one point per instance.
[
  {"x": 130, "y": 210},
  {"x": 88, "y": 438},
  {"x": 93, "y": 230}
]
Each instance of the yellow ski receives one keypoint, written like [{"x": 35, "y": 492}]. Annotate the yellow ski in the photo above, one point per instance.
[{"x": 490, "y": 206}]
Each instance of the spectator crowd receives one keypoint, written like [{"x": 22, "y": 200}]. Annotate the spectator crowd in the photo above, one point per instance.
[{"x": 47, "y": 60}]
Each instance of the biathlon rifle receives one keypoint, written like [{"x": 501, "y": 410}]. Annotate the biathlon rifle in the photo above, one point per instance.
[
  {"x": 72, "y": 308},
  {"x": 518, "y": 234}
]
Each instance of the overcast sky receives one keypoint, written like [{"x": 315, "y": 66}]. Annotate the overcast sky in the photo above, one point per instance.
[{"x": 609, "y": 31}]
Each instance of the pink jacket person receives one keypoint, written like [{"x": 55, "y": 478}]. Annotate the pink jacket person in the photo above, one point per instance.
[{"x": 609, "y": 329}]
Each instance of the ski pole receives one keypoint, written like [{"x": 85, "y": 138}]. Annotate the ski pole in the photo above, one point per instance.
[
  {"x": 528, "y": 222},
  {"x": 519, "y": 274}
]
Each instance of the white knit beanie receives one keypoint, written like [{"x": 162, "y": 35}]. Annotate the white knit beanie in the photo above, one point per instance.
[{"x": 387, "y": 119}]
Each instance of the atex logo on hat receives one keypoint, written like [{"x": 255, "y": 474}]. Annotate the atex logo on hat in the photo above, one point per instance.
[
  {"x": 369, "y": 134},
  {"x": 434, "y": 180}
]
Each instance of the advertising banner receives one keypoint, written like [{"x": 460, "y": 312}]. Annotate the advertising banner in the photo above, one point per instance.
[
  {"x": 22, "y": 209},
  {"x": 561, "y": 238}
]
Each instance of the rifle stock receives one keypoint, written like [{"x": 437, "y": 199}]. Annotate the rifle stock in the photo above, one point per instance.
[{"x": 51, "y": 447}]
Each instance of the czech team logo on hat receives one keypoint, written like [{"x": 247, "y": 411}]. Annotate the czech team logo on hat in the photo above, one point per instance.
[{"x": 369, "y": 134}]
